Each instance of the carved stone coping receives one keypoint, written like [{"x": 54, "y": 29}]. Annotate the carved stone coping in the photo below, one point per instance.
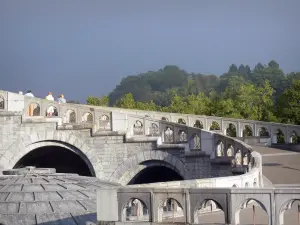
[
  {"x": 109, "y": 133},
  {"x": 167, "y": 146},
  {"x": 74, "y": 127},
  {"x": 141, "y": 139},
  {"x": 9, "y": 113}
]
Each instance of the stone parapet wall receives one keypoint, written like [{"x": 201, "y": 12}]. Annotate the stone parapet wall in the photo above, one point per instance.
[{"x": 231, "y": 201}]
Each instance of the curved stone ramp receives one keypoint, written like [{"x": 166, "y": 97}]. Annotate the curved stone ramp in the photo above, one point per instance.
[
  {"x": 280, "y": 166},
  {"x": 49, "y": 198}
]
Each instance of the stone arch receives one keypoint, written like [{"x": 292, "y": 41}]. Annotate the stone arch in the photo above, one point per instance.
[
  {"x": 135, "y": 210},
  {"x": 244, "y": 205},
  {"x": 168, "y": 135},
  {"x": 247, "y": 131},
  {"x": 65, "y": 145},
  {"x": 134, "y": 164},
  {"x": 87, "y": 117},
  {"x": 164, "y": 118},
  {"x": 230, "y": 130},
  {"x": 181, "y": 121},
  {"x": 279, "y": 136},
  {"x": 104, "y": 122},
  {"x": 235, "y": 186},
  {"x": 170, "y": 204},
  {"x": 2, "y": 102},
  {"x": 263, "y": 132},
  {"x": 246, "y": 185},
  {"x": 33, "y": 109},
  {"x": 70, "y": 116},
  {"x": 230, "y": 151},
  {"x": 293, "y": 137},
  {"x": 287, "y": 205},
  {"x": 238, "y": 157},
  {"x": 138, "y": 128},
  {"x": 61, "y": 139},
  {"x": 203, "y": 204},
  {"x": 220, "y": 149},
  {"x": 198, "y": 124},
  {"x": 214, "y": 126},
  {"x": 182, "y": 136},
  {"x": 51, "y": 111}
]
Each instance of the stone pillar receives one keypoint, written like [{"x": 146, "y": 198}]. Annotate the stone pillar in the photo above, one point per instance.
[{"x": 107, "y": 206}]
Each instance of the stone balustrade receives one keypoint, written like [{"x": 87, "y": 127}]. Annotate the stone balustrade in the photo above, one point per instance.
[
  {"x": 99, "y": 118},
  {"x": 275, "y": 202}
]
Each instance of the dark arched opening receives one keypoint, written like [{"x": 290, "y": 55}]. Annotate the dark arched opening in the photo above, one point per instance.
[
  {"x": 62, "y": 159},
  {"x": 155, "y": 174}
]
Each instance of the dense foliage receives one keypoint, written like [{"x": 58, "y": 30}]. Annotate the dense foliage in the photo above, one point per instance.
[{"x": 264, "y": 93}]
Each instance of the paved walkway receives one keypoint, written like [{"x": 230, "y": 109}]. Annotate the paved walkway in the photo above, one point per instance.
[{"x": 280, "y": 166}]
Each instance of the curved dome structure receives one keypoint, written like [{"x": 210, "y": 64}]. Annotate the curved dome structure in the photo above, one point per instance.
[{"x": 41, "y": 196}]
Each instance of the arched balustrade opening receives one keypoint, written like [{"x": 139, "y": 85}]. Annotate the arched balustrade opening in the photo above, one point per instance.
[
  {"x": 230, "y": 151},
  {"x": 135, "y": 210},
  {"x": 51, "y": 111},
  {"x": 2, "y": 103},
  {"x": 247, "y": 132},
  {"x": 263, "y": 132},
  {"x": 34, "y": 109},
  {"x": 164, "y": 119},
  {"x": 170, "y": 210},
  {"x": 209, "y": 212},
  {"x": 251, "y": 211},
  {"x": 294, "y": 138},
  {"x": 70, "y": 116},
  {"x": 181, "y": 121},
  {"x": 87, "y": 118},
  {"x": 214, "y": 126},
  {"x": 289, "y": 212},
  {"x": 198, "y": 124},
  {"x": 231, "y": 130},
  {"x": 280, "y": 136},
  {"x": 220, "y": 149}
]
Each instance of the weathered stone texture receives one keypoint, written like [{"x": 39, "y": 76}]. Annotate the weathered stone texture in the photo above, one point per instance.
[{"x": 106, "y": 154}]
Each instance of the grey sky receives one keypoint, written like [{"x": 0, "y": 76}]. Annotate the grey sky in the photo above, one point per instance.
[{"x": 83, "y": 48}]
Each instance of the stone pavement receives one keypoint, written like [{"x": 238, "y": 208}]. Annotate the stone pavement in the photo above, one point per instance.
[{"x": 280, "y": 166}]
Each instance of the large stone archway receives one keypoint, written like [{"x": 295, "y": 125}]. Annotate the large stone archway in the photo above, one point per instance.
[
  {"x": 64, "y": 139},
  {"x": 132, "y": 166},
  {"x": 63, "y": 151}
]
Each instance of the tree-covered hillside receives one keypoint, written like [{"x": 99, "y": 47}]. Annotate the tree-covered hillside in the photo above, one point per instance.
[{"x": 263, "y": 93}]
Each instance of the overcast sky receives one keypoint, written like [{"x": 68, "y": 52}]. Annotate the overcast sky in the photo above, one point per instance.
[{"x": 83, "y": 48}]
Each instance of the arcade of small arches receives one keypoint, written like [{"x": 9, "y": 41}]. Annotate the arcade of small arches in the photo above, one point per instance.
[
  {"x": 208, "y": 211},
  {"x": 70, "y": 117}
]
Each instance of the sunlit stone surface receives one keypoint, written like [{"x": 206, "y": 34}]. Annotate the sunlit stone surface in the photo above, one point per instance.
[{"x": 41, "y": 196}]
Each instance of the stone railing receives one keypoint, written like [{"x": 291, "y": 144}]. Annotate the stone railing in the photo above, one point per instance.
[
  {"x": 99, "y": 116},
  {"x": 192, "y": 140},
  {"x": 111, "y": 203}
]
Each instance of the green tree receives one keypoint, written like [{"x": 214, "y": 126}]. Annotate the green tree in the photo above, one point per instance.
[
  {"x": 288, "y": 107},
  {"x": 127, "y": 102},
  {"x": 97, "y": 101}
]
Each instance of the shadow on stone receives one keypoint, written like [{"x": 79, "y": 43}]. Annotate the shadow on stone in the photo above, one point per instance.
[{"x": 272, "y": 164}]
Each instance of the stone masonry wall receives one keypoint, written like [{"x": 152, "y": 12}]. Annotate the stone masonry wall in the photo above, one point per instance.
[{"x": 109, "y": 156}]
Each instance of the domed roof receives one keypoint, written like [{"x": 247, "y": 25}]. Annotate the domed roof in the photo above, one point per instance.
[{"x": 41, "y": 196}]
